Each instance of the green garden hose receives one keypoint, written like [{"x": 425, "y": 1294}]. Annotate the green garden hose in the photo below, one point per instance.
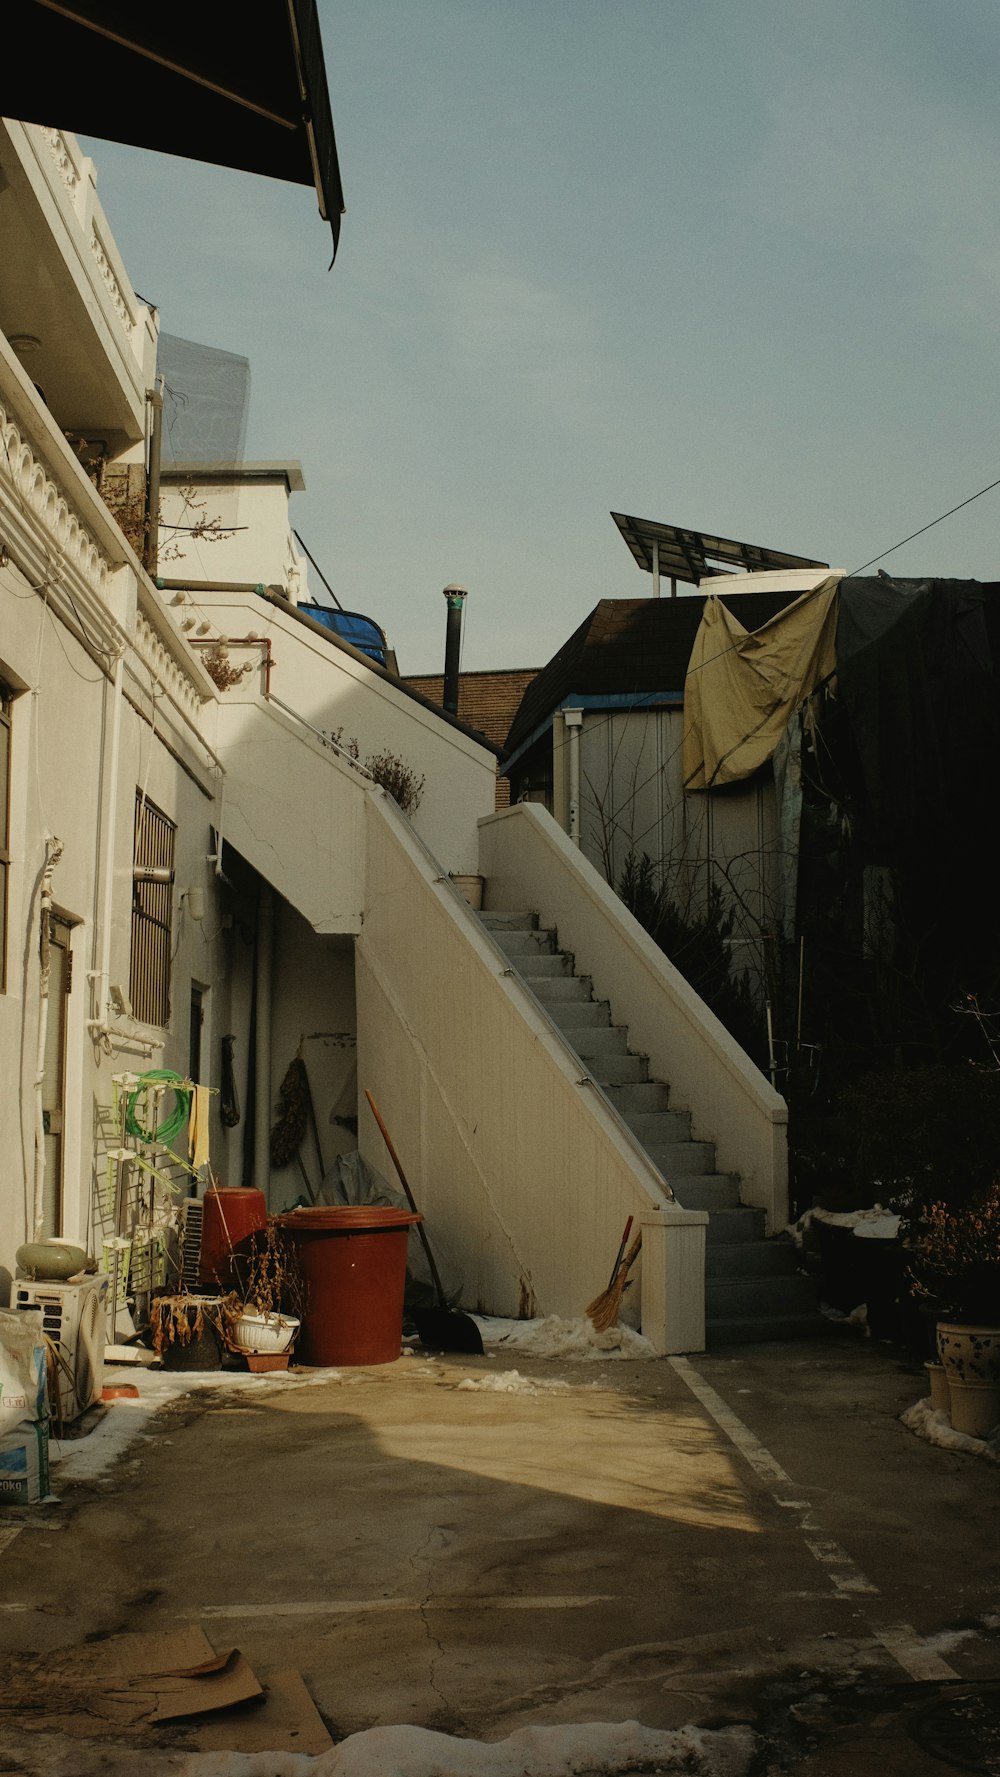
[{"x": 178, "y": 1119}]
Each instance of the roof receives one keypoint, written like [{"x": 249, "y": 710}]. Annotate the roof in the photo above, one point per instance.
[
  {"x": 487, "y": 701},
  {"x": 628, "y": 647},
  {"x": 693, "y": 556},
  {"x": 189, "y": 79},
  {"x": 290, "y": 473}
]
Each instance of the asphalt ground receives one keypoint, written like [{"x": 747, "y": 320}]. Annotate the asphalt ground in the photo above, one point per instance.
[{"x": 747, "y": 1537}]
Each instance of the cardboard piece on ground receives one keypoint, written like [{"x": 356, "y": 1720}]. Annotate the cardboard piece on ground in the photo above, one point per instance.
[
  {"x": 162, "y": 1677},
  {"x": 287, "y": 1720}
]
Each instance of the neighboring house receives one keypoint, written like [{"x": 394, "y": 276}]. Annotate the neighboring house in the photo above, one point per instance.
[
  {"x": 200, "y": 873},
  {"x": 598, "y": 740},
  {"x": 487, "y": 702}
]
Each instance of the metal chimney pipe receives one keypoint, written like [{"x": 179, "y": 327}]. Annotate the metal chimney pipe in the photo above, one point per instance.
[{"x": 456, "y": 597}]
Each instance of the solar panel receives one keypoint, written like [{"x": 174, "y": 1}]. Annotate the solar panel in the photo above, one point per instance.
[{"x": 693, "y": 556}]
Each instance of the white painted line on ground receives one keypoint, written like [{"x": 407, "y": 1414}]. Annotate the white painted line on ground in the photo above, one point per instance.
[
  {"x": 328, "y": 1607},
  {"x": 900, "y": 1640},
  {"x": 905, "y": 1646},
  {"x": 7, "y": 1535}
]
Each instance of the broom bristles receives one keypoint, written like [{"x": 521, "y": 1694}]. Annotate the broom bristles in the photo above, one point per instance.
[{"x": 604, "y": 1310}]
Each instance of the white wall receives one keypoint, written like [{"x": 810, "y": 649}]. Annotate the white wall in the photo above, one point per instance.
[
  {"x": 525, "y": 1173},
  {"x": 258, "y": 549},
  {"x": 331, "y": 689},
  {"x": 530, "y": 865}
]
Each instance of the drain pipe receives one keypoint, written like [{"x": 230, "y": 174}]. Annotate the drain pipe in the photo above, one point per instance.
[
  {"x": 456, "y": 597},
  {"x": 574, "y": 720},
  {"x": 53, "y": 852},
  {"x": 262, "y": 1043},
  {"x": 98, "y": 1024},
  {"x": 152, "y": 549}
]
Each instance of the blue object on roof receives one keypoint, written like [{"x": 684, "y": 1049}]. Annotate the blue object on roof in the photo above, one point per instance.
[{"x": 363, "y": 633}]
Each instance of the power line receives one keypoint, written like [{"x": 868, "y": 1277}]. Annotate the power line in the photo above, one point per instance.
[{"x": 927, "y": 527}]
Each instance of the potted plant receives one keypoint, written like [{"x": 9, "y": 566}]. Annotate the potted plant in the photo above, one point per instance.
[
  {"x": 189, "y": 1331},
  {"x": 954, "y": 1255},
  {"x": 267, "y": 1318}
]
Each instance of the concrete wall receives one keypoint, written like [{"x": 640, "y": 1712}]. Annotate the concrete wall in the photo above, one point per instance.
[
  {"x": 331, "y": 690},
  {"x": 632, "y": 799},
  {"x": 524, "y": 1172},
  {"x": 251, "y": 542},
  {"x": 530, "y": 864}
]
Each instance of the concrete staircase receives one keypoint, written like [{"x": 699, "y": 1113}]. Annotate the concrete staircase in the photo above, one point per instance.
[{"x": 753, "y": 1291}]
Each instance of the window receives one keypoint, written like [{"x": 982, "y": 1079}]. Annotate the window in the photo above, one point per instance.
[
  {"x": 152, "y": 907},
  {"x": 6, "y": 699}
]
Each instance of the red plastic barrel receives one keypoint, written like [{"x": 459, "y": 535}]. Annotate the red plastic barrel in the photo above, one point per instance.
[
  {"x": 353, "y": 1264},
  {"x": 231, "y": 1218}
]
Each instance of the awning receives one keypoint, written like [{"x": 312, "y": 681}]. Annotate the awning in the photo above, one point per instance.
[{"x": 236, "y": 86}]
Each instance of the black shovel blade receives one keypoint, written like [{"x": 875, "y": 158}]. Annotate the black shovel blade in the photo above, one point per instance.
[{"x": 442, "y": 1329}]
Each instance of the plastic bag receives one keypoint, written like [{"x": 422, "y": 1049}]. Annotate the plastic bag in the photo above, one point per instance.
[{"x": 22, "y": 1367}]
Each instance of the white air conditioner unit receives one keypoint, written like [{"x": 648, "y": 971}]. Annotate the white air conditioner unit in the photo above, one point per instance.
[{"x": 73, "y": 1317}]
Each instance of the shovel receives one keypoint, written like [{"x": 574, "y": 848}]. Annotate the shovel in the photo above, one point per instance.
[{"x": 442, "y": 1328}]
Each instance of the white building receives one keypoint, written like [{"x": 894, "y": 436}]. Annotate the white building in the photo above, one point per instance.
[{"x": 216, "y": 876}]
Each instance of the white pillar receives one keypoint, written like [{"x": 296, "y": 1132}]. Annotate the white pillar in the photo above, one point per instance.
[
  {"x": 573, "y": 720},
  {"x": 672, "y": 1284}
]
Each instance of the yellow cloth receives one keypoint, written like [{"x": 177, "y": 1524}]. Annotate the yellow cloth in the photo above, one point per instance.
[
  {"x": 198, "y": 1126},
  {"x": 742, "y": 685}
]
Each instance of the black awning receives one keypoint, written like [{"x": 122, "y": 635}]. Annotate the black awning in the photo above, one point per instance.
[{"x": 234, "y": 85}]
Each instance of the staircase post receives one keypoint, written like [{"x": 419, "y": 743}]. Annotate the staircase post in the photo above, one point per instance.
[{"x": 673, "y": 1279}]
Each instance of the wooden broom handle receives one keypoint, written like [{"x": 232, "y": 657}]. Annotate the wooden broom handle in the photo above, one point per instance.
[{"x": 394, "y": 1157}]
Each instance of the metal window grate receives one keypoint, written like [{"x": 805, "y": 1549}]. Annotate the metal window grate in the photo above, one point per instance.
[{"x": 152, "y": 906}]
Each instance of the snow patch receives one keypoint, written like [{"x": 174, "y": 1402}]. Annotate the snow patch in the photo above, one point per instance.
[
  {"x": 935, "y": 1427},
  {"x": 508, "y": 1382},
  {"x": 592, "y": 1749},
  {"x": 868, "y": 1224},
  {"x": 553, "y": 1337}
]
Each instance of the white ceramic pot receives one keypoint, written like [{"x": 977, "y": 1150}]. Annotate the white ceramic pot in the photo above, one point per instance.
[
  {"x": 264, "y": 1332},
  {"x": 971, "y": 1359}
]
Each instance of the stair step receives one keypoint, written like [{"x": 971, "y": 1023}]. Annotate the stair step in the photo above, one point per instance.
[
  {"x": 541, "y": 968},
  {"x": 750, "y": 1258},
  {"x": 688, "y": 1158},
  {"x": 660, "y": 1126},
  {"x": 618, "y": 1070},
  {"x": 712, "y": 1191},
  {"x": 571, "y": 1015},
  {"x": 591, "y": 1040},
  {"x": 519, "y": 942},
  {"x": 552, "y": 989},
  {"x": 647, "y": 1097},
  {"x": 746, "y": 1330},
  {"x": 510, "y": 922},
  {"x": 729, "y": 1226},
  {"x": 759, "y": 1297}
]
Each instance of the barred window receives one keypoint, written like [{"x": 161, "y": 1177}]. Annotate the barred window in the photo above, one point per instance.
[
  {"x": 152, "y": 907},
  {"x": 6, "y": 699}
]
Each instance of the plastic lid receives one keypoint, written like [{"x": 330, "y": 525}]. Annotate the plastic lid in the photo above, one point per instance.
[{"x": 347, "y": 1218}]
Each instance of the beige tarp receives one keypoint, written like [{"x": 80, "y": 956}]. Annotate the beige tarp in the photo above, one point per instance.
[{"x": 742, "y": 685}]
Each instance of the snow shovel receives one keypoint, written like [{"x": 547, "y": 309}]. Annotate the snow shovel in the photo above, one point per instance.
[{"x": 441, "y": 1328}]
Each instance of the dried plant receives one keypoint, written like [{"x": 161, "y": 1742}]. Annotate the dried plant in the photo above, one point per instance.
[
  {"x": 398, "y": 780},
  {"x": 954, "y": 1259},
  {"x": 217, "y": 664},
  {"x": 271, "y": 1281}
]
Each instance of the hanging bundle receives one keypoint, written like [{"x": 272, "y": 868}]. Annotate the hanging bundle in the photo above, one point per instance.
[{"x": 293, "y": 1100}]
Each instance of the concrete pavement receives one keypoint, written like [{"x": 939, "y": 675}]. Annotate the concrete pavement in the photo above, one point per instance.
[{"x": 745, "y": 1537}]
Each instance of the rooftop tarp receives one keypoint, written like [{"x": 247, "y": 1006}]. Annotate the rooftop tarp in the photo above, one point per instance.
[{"x": 236, "y": 86}]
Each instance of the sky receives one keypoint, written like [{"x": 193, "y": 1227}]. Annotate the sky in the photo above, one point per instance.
[{"x": 726, "y": 265}]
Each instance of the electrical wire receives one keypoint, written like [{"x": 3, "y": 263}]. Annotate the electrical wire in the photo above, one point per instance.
[{"x": 927, "y": 527}]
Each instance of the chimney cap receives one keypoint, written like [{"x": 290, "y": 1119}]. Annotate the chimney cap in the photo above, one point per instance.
[{"x": 456, "y": 592}]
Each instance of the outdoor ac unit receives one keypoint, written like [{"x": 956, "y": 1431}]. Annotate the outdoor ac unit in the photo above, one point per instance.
[
  {"x": 73, "y": 1317},
  {"x": 192, "y": 1215}
]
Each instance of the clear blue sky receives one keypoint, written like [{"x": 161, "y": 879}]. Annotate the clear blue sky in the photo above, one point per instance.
[{"x": 729, "y": 265}]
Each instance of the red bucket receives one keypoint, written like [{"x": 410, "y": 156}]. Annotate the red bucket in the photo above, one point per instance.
[
  {"x": 353, "y": 1264},
  {"x": 232, "y": 1215}
]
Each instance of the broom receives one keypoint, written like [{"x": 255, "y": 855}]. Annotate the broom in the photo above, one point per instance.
[{"x": 604, "y": 1310}]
